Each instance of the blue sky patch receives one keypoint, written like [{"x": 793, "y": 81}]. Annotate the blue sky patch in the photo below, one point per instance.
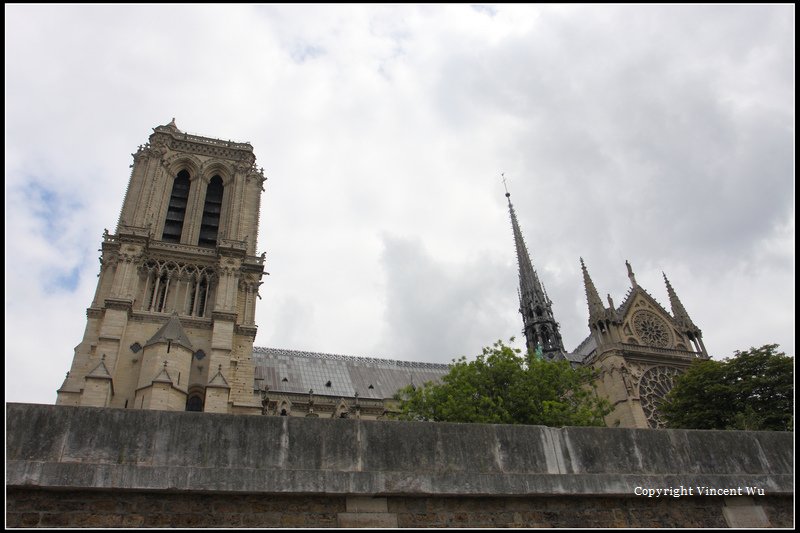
[
  {"x": 302, "y": 52},
  {"x": 488, "y": 10},
  {"x": 48, "y": 206},
  {"x": 66, "y": 281}
]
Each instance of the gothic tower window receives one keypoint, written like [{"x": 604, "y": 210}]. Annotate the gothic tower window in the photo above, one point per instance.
[
  {"x": 546, "y": 339},
  {"x": 198, "y": 294},
  {"x": 158, "y": 293},
  {"x": 173, "y": 225},
  {"x": 209, "y": 226}
]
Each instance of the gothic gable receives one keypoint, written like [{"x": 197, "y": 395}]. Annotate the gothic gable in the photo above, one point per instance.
[{"x": 645, "y": 322}]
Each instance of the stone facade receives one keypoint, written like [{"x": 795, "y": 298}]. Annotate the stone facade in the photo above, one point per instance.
[
  {"x": 184, "y": 247},
  {"x": 638, "y": 349}
]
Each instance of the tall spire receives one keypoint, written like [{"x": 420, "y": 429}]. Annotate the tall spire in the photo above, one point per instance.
[
  {"x": 541, "y": 329},
  {"x": 596, "y": 309},
  {"x": 684, "y": 321},
  {"x": 678, "y": 311}
]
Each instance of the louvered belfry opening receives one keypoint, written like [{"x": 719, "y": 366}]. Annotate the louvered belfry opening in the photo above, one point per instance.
[
  {"x": 211, "y": 212},
  {"x": 173, "y": 226}
]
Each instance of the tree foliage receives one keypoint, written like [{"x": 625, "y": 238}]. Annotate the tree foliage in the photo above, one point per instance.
[
  {"x": 502, "y": 387},
  {"x": 753, "y": 390}
]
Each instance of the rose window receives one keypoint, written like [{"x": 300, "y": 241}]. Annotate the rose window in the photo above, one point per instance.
[
  {"x": 651, "y": 329},
  {"x": 654, "y": 385}
]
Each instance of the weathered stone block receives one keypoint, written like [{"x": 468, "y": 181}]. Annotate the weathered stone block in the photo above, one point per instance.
[
  {"x": 743, "y": 513},
  {"x": 366, "y": 504},
  {"x": 367, "y": 520}
]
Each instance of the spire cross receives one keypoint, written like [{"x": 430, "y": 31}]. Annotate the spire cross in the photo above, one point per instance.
[{"x": 503, "y": 175}]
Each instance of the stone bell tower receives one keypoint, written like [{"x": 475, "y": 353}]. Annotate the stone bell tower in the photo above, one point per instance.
[{"x": 172, "y": 324}]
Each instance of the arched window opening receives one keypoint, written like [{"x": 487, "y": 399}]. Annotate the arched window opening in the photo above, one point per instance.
[
  {"x": 194, "y": 403},
  {"x": 158, "y": 293},
  {"x": 202, "y": 297},
  {"x": 198, "y": 297},
  {"x": 173, "y": 225},
  {"x": 209, "y": 227}
]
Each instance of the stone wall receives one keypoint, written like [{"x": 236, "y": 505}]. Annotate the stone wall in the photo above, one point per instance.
[
  {"x": 102, "y": 509},
  {"x": 73, "y": 466}
]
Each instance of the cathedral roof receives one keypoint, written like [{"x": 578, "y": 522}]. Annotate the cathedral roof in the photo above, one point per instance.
[
  {"x": 583, "y": 350},
  {"x": 294, "y": 371}
]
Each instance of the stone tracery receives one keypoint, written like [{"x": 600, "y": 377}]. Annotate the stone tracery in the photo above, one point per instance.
[
  {"x": 651, "y": 329},
  {"x": 654, "y": 385}
]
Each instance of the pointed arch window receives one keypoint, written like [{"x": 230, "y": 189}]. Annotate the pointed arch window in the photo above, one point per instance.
[
  {"x": 199, "y": 295},
  {"x": 173, "y": 225},
  {"x": 157, "y": 296},
  {"x": 209, "y": 227}
]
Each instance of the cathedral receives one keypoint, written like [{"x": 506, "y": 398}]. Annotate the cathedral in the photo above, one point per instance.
[{"x": 171, "y": 325}]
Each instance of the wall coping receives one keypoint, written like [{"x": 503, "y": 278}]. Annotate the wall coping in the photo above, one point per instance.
[{"x": 65, "y": 447}]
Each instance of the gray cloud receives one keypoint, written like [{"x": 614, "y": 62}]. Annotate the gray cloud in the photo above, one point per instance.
[{"x": 442, "y": 311}]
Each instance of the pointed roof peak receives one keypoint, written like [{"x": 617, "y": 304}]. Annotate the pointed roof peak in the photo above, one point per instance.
[
  {"x": 100, "y": 371},
  {"x": 678, "y": 311},
  {"x": 171, "y": 332},
  {"x": 630, "y": 274},
  {"x": 65, "y": 383},
  {"x": 596, "y": 308},
  {"x": 169, "y": 127},
  {"x": 508, "y": 194},
  {"x": 163, "y": 376},
  {"x": 219, "y": 380}
]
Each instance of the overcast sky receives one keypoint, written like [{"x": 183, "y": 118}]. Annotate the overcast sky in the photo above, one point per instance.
[{"x": 663, "y": 135}]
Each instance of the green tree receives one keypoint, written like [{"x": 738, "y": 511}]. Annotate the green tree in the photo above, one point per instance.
[
  {"x": 752, "y": 390},
  {"x": 502, "y": 387}
]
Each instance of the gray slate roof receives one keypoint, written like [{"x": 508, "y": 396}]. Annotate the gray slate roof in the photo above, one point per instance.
[
  {"x": 347, "y": 374},
  {"x": 583, "y": 350},
  {"x": 172, "y": 331}
]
